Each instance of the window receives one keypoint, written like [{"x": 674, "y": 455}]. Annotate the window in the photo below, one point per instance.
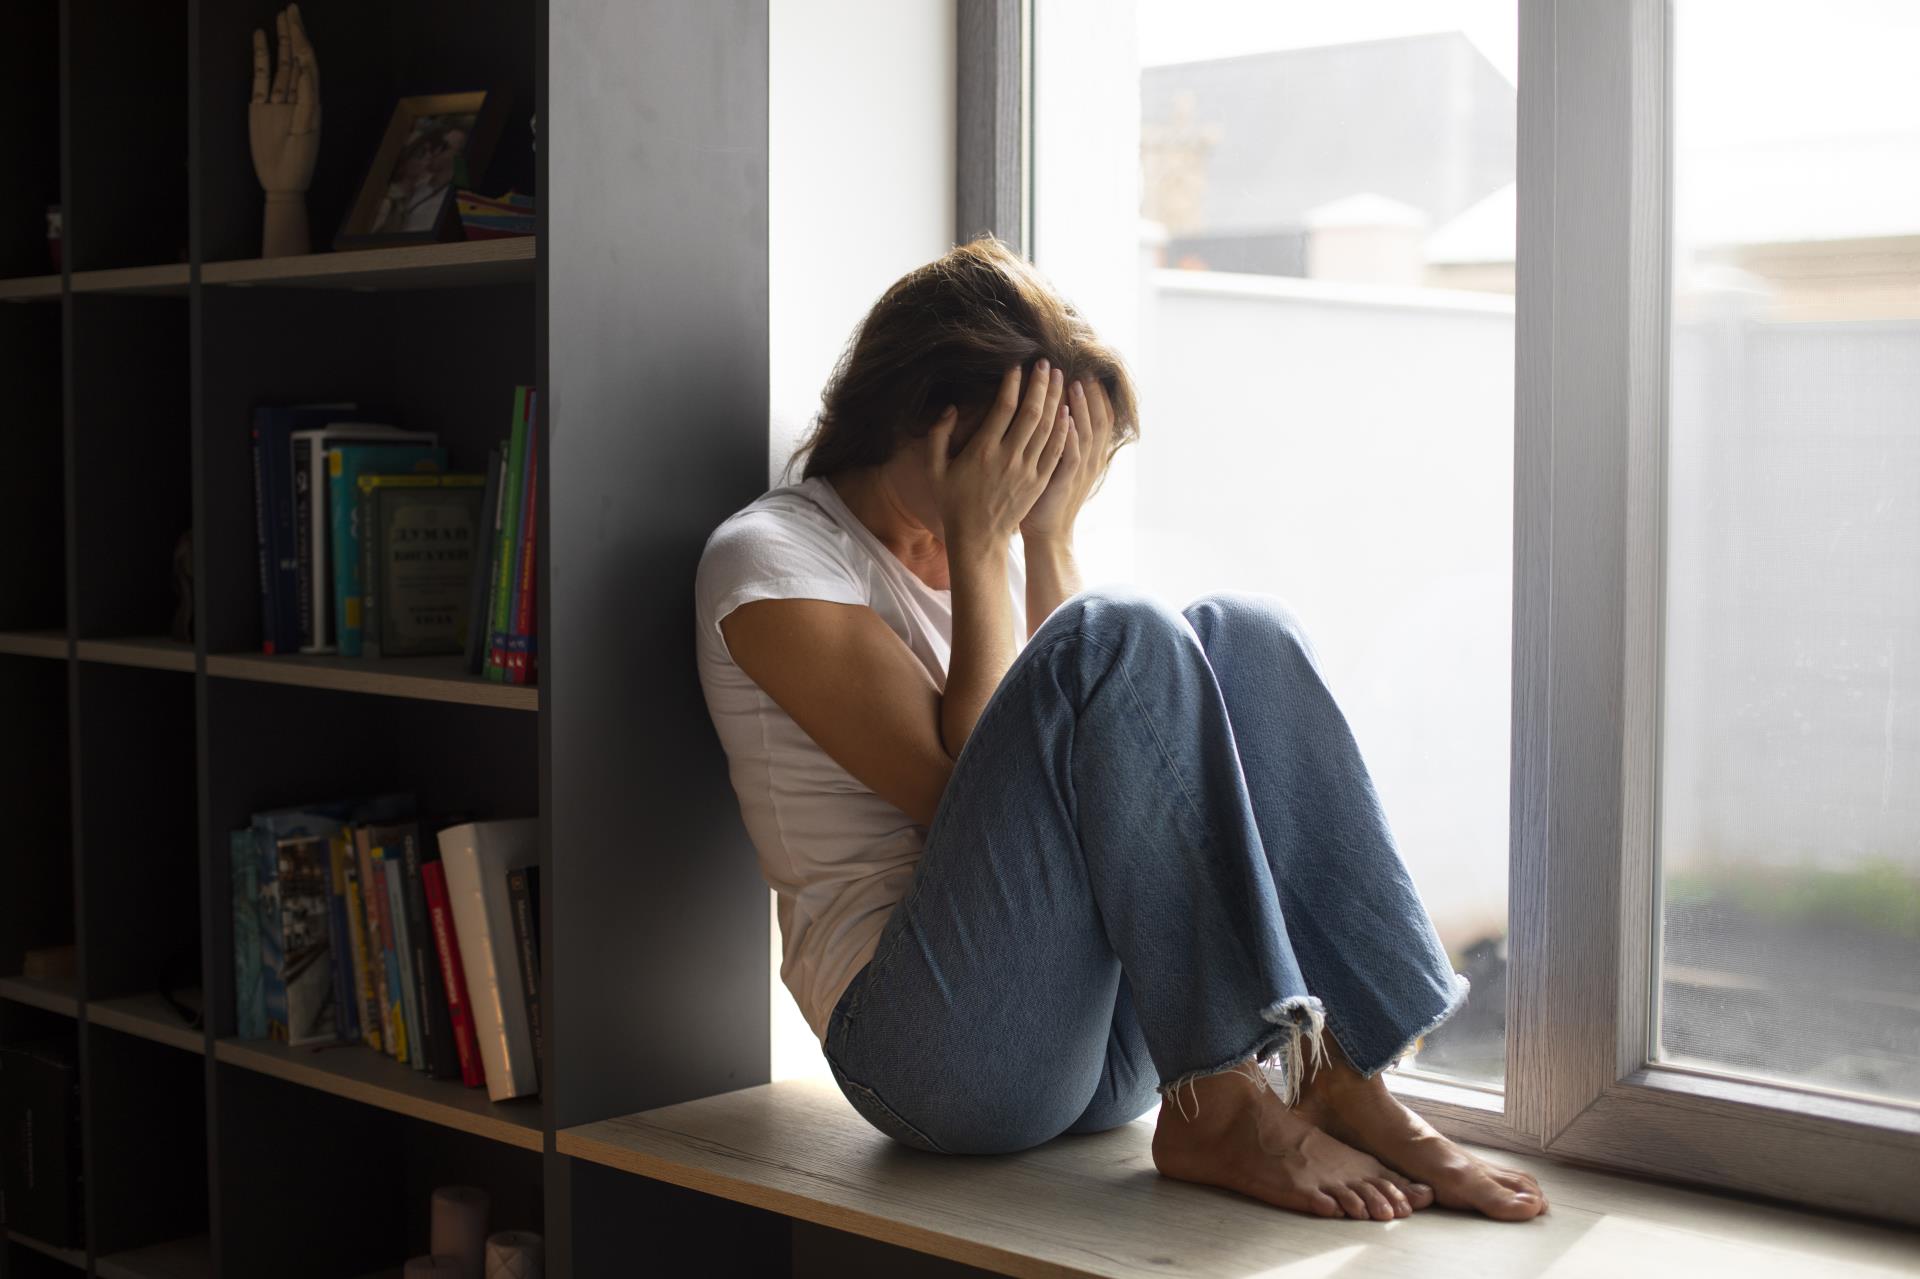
[
  {"x": 1304, "y": 241},
  {"x": 1662, "y": 541}
]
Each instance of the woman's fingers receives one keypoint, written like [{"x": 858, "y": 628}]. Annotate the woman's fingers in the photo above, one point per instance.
[
  {"x": 1042, "y": 437},
  {"x": 1059, "y": 443},
  {"x": 1006, "y": 403},
  {"x": 1033, "y": 409}
]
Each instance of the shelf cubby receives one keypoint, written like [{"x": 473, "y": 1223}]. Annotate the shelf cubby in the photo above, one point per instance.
[
  {"x": 370, "y": 1167},
  {"x": 36, "y": 910},
  {"x": 29, "y": 146},
  {"x": 153, "y": 1016},
  {"x": 127, "y": 115},
  {"x": 139, "y": 831},
  {"x": 32, "y": 496},
  {"x": 147, "y": 1138}
]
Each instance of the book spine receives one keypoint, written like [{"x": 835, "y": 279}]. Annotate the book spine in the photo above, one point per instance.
[
  {"x": 436, "y": 1024},
  {"x": 303, "y": 480},
  {"x": 396, "y": 1015},
  {"x": 446, "y": 940},
  {"x": 364, "y": 501},
  {"x": 520, "y": 639},
  {"x": 503, "y": 578},
  {"x": 527, "y": 952},
  {"x": 343, "y": 511},
  {"x": 304, "y": 941},
  {"x": 273, "y": 979},
  {"x": 367, "y": 1006},
  {"x": 483, "y": 568},
  {"x": 250, "y": 1011},
  {"x": 265, "y": 546},
  {"x": 376, "y": 953},
  {"x": 346, "y": 1022},
  {"x": 403, "y": 955}
]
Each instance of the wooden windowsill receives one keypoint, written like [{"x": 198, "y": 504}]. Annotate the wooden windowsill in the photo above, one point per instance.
[{"x": 1094, "y": 1206}]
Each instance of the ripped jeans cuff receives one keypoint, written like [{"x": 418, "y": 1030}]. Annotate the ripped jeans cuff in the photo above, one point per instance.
[{"x": 1297, "y": 1042}]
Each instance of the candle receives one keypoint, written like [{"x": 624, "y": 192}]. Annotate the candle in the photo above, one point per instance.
[
  {"x": 516, "y": 1254},
  {"x": 460, "y": 1228}
]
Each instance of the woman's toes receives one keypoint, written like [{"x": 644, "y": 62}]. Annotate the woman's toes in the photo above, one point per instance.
[
  {"x": 1350, "y": 1203},
  {"x": 1322, "y": 1204},
  {"x": 1418, "y": 1194},
  {"x": 1395, "y": 1197},
  {"x": 1377, "y": 1205}
]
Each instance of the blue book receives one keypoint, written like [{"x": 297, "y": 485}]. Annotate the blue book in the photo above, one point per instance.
[
  {"x": 346, "y": 463},
  {"x": 268, "y": 830},
  {"x": 249, "y": 994},
  {"x": 274, "y": 516}
]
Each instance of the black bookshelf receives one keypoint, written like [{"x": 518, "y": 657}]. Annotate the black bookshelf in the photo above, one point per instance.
[{"x": 132, "y": 368}]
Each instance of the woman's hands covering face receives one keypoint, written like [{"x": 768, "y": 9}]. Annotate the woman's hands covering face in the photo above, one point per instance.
[
  {"x": 990, "y": 487},
  {"x": 1090, "y": 430}
]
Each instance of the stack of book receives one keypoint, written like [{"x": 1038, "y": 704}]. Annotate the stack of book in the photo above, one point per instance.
[
  {"x": 355, "y": 922},
  {"x": 367, "y": 546}
]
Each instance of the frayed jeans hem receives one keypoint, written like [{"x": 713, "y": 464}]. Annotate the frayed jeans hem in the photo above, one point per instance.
[
  {"x": 1296, "y": 1041},
  {"x": 1455, "y": 1002}
]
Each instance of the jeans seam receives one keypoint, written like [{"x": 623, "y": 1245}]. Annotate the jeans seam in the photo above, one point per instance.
[{"x": 848, "y": 1081}]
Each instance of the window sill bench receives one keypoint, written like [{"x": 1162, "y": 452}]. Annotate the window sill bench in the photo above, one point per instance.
[{"x": 1094, "y": 1206}]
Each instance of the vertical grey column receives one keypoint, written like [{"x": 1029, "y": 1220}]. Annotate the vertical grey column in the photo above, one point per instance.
[
  {"x": 653, "y": 378},
  {"x": 991, "y": 150}
]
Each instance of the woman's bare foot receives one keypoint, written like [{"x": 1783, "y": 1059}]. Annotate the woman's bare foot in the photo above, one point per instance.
[
  {"x": 1365, "y": 1114},
  {"x": 1242, "y": 1137}
]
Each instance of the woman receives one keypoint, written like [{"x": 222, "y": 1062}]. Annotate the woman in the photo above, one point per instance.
[{"x": 1043, "y": 853}]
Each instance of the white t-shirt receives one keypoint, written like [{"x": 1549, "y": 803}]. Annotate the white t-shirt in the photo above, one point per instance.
[{"x": 837, "y": 855}]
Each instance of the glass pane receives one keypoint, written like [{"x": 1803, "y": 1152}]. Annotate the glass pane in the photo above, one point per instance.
[
  {"x": 1790, "y": 789},
  {"x": 1311, "y": 270}
]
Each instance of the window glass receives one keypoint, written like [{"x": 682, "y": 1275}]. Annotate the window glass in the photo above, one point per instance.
[
  {"x": 1790, "y": 764},
  {"x": 1306, "y": 249}
]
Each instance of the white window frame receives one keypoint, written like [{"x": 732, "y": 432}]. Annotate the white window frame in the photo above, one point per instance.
[{"x": 1592, "y": 335}]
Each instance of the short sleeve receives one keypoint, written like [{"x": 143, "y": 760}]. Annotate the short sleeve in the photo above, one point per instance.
[{"x": 771, "y": 554}]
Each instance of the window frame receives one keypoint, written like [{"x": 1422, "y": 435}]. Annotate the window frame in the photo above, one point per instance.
[{"x": 1591, "y": 341}]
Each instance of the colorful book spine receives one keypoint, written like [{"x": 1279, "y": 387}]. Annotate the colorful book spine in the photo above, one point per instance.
[
  {"x": 346, "y": 463},
  {"x": 403, "y": 955},
  {"x": 433, "y": 878},
  {"x": 273, "y": 979},
  {"x": 505, "y": 565},
  {"x": 483, "y": 569},
  {"x": 305, "y": 943},
  {"x": 346, "y": 1001},
  {"x": 520, "y": 634},
  {"x": 395, "y": 1012},
  {"x": 249, "y": 994},
  {"x": 366, "y": 1007},
  {"x": 430, "y": 992}
]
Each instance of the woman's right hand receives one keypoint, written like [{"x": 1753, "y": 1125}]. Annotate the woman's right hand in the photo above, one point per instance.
[{"x": 990, "y": 485}]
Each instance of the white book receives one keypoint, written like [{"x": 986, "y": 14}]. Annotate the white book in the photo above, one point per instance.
[
  {"x": 476, "y": 858},
  {"x": 310, "y": 468}
]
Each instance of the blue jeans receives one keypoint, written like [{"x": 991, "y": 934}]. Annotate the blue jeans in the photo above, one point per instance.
[{"x": 1159, "y": 855}]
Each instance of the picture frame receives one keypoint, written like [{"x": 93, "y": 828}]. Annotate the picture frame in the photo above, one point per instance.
[{"x": 434, "y": 144}]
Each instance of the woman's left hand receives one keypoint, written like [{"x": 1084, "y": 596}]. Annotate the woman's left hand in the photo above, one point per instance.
[{"x": 1053, "y": 513}]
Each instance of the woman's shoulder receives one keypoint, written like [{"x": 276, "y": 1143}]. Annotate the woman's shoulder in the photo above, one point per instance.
[{"x": 783, "y": 536}]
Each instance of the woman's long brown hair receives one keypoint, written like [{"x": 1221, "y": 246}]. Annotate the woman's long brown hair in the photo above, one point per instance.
[{"x": 946, "y": 333}]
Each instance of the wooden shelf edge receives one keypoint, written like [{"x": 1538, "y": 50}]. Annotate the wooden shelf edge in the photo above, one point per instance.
[
  {"x": 72, "y": 1256},
  {"x": 156, "y": 652},
  {"x": 176, "y": 1259},
  {"x": 51, "y": 644},
  {"x": 475, "y": 1117},
  {"x": 161, "y": 278},
  {"x": 50, "y": 996},
  {"x": 147, "y": 1017},
  {"x": 386, "y": 679},
  {"x": 30, "y": 288},
  {"x": 407, "y": 266}
]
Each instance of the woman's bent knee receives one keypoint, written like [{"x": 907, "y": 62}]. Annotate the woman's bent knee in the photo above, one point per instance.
[{"x": 1116, "y": 613}]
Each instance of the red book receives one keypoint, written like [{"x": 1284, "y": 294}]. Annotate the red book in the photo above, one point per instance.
[
  {"x": 520, "y": 640},
  {"x": 433, "y": 879}
]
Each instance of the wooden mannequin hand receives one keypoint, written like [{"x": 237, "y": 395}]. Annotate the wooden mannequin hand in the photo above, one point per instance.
[{"x": 283, "y": 127}]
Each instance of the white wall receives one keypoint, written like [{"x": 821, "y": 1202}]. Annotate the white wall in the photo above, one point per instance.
[
  {"x": 861, "y": 123},
  {"x": 860, "y": 169}
]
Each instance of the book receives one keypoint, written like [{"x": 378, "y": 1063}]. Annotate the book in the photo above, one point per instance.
[
  {"x": 386, "y": 855},
  {"x": 436, "y": 1025},
  {"x": 503, "y": 569},
  {"x": 249, "y": 994},
  {"x": 393, "y": 1011},
  {"x": 269, "y": 828},
  {"x": 311, "y": 507},
  {"x": 346, "y": 1001},
  {"x": 40, "y": 1163},
  {"x": 446, "y": 940},
  {"x": 346, "y": 463},
  {"x": 490, "y": 503},
  {"x": 520, "y": 628},
  {"x": 304, "y": 929},
  {"x": 274, "y": 526},
  {"x": 523, "y": 890},
  {"x": 367, "y": 1006},
  {"x": 423, "y": 531},
  {"x": 477, "y": 857}
]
